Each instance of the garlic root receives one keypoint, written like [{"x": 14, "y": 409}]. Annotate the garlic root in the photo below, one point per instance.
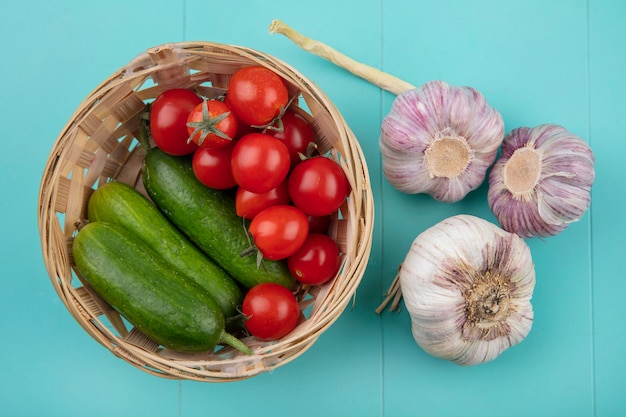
[
  {"x": 393, "y": 295},
  {"x": 381, "y": 79}
]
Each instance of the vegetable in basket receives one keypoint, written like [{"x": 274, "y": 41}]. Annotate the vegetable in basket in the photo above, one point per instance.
[
  {"x": 206, "y": 68},
  {"x": 271, "y": 311},
  {"x": 168, "y": 121},
  {"x": 160, "y": 301},
  {"x": 279, "y": 231},
  {"x": 467, "y": 285},
  {"x": 212, "y": 124},
  {"x": 119, "y": 203},
  {"x": 257, "y": 95},
  {"x": 260, "y": 162},
  {"x": 206, "y": 216}
]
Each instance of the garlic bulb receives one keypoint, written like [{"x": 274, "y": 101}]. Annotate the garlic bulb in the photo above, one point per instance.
[
  {"x": 542, "y": 181},
  {"x": 467, "y": 285},
  {"x": 437, "y": 139},
  {"x": 440, "y": 140}
]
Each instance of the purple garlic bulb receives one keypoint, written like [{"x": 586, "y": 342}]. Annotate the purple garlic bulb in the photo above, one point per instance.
[
  {"x": 440, "y": 140},
  {"x": 542, "y": 181}
]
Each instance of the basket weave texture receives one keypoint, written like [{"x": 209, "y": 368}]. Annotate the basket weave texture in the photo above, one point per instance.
[{"x": 99, "y": 144}]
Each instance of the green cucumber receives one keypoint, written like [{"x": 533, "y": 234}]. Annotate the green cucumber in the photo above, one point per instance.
[
  {"x": 121, "y": 204},
  {"x": 208, "y": 218},
  {"x": 158, "y": 300}
]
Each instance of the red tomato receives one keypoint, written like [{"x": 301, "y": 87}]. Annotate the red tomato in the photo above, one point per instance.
[
  {"x": 260, "y": 162},
  {"x": 317, "y": 261},
  {"x": 256, "y": 95},
  {"x": 212, "y": 167},
  {"x": 318, "y": 186},
  {"x": 296, "y": 133},
  {"x": 318, "y": 224},
  {"x": 271, "y": 311},
  {"x": 244, "y": 129},
  {"x": 249, "y": 204},
  {"x": 168, "y": 120},
  {"x": 279, "y": 231},
  {"x": 212, "y": 124}
]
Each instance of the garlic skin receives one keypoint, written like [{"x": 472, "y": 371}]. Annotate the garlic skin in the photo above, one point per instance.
[
  {"x": 439, "y": 140},
  {"x": 542, "y": 181},
  {"x": 467, "y": 285}
]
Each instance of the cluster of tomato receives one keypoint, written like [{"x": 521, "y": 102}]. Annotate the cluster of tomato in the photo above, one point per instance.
[{"x": 249, "y": 139}]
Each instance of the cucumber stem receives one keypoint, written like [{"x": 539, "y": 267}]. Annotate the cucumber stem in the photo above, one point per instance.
[
  {"x": 373, "y": 75},
  {"x": 232, "y": 341}
]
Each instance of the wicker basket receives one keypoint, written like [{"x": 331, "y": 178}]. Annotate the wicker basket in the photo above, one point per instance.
[{"x": 99, "y": 144}]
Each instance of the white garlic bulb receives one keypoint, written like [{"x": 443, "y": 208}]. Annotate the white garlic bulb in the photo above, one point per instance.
[
  {"x": 440, "y": 140},
  {"x": 467, "y": 285},
  {"x": 542, "y": 181}
]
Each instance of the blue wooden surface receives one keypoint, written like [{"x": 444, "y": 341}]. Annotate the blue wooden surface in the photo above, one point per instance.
[{"x": 537, "y": 61}]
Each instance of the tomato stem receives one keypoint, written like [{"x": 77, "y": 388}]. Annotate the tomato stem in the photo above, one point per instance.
[
  {"x": 252, "y": 248},
  {"x": 280, "y": 126},
  {"x": 248, "y": 251},
  {"x": 208, "y": 125},
  {"x": 310, "y": 151},
  {"x": 278, "y": 119}
]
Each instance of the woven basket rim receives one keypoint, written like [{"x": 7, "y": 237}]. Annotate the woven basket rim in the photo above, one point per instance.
[{"x": 83, "y": 147}]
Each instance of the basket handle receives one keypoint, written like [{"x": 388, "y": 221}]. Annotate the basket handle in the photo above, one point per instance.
[{"x": 169, "y": 58}]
